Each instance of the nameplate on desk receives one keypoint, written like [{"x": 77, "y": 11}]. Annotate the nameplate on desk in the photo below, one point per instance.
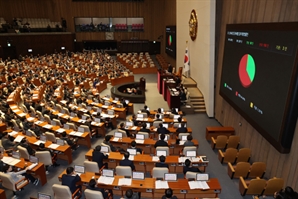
[
  {"x": 116, "y": 187},
  {"x": 148, "y": 190}
]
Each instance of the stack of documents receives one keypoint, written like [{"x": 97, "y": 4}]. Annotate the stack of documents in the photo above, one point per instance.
[
  {"x": 105, "y": 180},
  {"x": 161, "y": 184},
  {"x": 198, "y": 185},
  {"x": 10, "y": 161},
  {"x": 124, "y": 181}
]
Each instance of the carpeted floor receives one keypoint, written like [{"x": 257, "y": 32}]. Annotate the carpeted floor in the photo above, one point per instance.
[{"x": 154, "y": 100}]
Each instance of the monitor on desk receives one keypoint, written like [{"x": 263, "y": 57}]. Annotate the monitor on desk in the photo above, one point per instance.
[
  {"x": 43, "y": 196},
  {"x": 161, "y": 152},
  {"x": 89, "y": 108},
  {"x": 84, "y": 117},
  {"x": 132, "y": 151},
  {"x": 97, "y": 120},
  {"x": 16, "y": 155},
  {"x": 108, "y": 172},
  {"x": 166, "y": 125},
  {"x": 79, "y": 169},
  {"x": 110, "y": 112},
  {"x": 72, "y": 114},
  {"x": 65, "y": 126},
  {"x": 170, "y": 177},
  {"x": 81, "y": 129},
  {"x": 53, "y": 123},
  {"x": 104, "y": 149},
  {"x": 43, "y": 138},
  {"x": 128, "y": 124},
  {"x": 96, "y": 101},
  {"x": 63, "y": 111},
  {"x": 118, "y": 134},
  {"x": 191, "y": 153},
  {"x": 127, "y": 101},
  {"x": 140, "y": 137},
  {"x": 107, "y": 103},
  {"x": 140, "y": 115},
  {"x": 60, "y": 142},
  {"x": 116, "y": 99},
  {"x": 28, "y": 133},
  {"x": 33, "y": 159},
  {"x": 184, "y": 137},
  {"x": 138, "y": 175},
  {"x": 148, "y": 125},
  {"x": 108, "y": 96},
  {"x": 202, "y": 177},
  {"x": 99, "y": 110}
]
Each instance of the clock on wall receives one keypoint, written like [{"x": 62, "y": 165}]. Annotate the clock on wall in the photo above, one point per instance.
[
  {"x": 109, "y": 36},
  {"x": 193, "y": 25}
]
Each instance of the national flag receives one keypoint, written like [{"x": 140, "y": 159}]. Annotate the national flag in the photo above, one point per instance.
[{"x": 186, "y": 61}]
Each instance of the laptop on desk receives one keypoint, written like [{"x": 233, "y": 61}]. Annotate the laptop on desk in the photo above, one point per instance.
[
  {"x": 16, "y": 155},
  {"x": 108, "y": 172},
  {"x": 202, "y": 177},
  {"x": 33, "y": 159},
  {"x": 132, "y": 151},
  {"x": 138, "y": 175},
  {"x": 104, "y": 149},
  {"x": 43, "y": 196},
  {"x": 118, "y": 134},
  {"x": 191, "y": 154},
  {"x": 170, "y": 177},
  {"x": 128, "y": 124},
  {"x": 161, "y": 152},
  {"x": 43, "y": 138},
  {"x": 79, "y": 169}
]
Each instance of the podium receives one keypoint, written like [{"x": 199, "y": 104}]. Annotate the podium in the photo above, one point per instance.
[{"x": 142, "y": 84}]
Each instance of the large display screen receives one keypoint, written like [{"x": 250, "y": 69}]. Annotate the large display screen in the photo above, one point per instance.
[
  {"x": 171, "y": 41},
  {"x": 259, "y": 78}
]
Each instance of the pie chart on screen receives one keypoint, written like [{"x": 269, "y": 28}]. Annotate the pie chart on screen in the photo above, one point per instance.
[
  {"x": 247, "y": 70},
  {"x": 170, "y": 40}
]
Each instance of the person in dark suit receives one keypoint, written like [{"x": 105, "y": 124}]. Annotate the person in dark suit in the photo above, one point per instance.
[
  {"x": 169, "y": 194},
  {"x": 162, "y": 130},
  {"x": 107, "y": 142},
  {"x": 98, "y": 157},
  {"x": 144, "y": 128},
  {"x": 189, "y": 142},
  {"x": 188, "y": 167},
  {"x": 157, "y": 117},
  {"x": 127, "y": 162},
  {"x": 145, "y": 110},
  {"x": 6, "y": 142},
  {"x": 170, "y": 68},
  {"x": 1, "y": 162},
  {"x": 122, "y": 127},
  {"x": 133, "y": 146},
  {"x": 70, "y": 179},
  {"x": 24, "y": 143},
  {"x": 161, "y": 162},
  {"x": 93, "y": 186},
  {"x": 161, "y": 142},
  {"x": 182, "y": 129}
]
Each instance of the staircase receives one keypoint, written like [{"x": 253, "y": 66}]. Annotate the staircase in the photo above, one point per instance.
[{"x": 196, "y": 97}]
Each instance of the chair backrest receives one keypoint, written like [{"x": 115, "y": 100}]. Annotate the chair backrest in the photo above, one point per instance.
[
  {"x": 47, "y": 118},
  {"x": 243, "y": 155},
  {"x": 32, "y": 110},
  {"x": 123, "y": 171},
  {"x": 44, "y": 157},
  {"x": 103, "y": 144},
  {"x": 7, "y": 181},
  {"x": 91, "y": 194},
  {"x": 159, "y": 172},
  {"x": 221, "y": 142},
  {"x": 182, "y": 134},
  {"x": 256, "y": 186},
  {"x": 59, "y": 107},
  {"x": 191, "y": 175},
  {"x": 61, "y": 191},
  {"x": 15, "y": 124},
  {"x": 121, "y": 131},
  {"x": 1, "y": 144},
  {"x": 163, "y": 148},
  {"x": 91, "y": 166},
  {"x": 39, "y": 114},
  {"x": 23, "y": 152},
  {"x": 32, "y": 133},
  {"x": 273, "y": 185},
  {"x": 242, "y": 169},
  {"x": 156, "y": 123},
  {"x": 66, "y": 111},
  {"x": 257, "y": 169},
  {"x": 144, "y": 115},
  {"x": 24, "y": 108},
  {"x": 50, "y": 136},
  {"x": 230, "y": 155},
  {"x": 146, "y": 135},
  {"x": 57, "y": 122},
  {"x": 86, "y": 128},
  {"x": 233, "y": 141},
  {"x": 189, "y": 148},
  {"x": 71, "y": 126}
]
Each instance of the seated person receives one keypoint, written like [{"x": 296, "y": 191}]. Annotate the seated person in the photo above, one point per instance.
[
  {"x": 26, "y": 124},
  {"x": 134, "y": 120},
  {"x": 157, "y": 117},
  {"x": 161, "y": 163},
  {"x": 145, "y": 110},
  {"x": 169, "y": 194},
  {"x": 17, "y": 176},
  {"x": 7, "y": 141},
  {"x": 182, "y": 129},
  {"x": 122, "y": 127},
  {"x": 188, "y": 167},
  {"x": 127, "y": 162},
  {"x": 24, "y": 143},
  {"x": 162, "y": 130},
  {"x": 72, "y": 142},
  {"x": 98, "y": 156},
  {"x": 107, "y": 142},
  {"x": 189, "y": 142},
  {"x": 129, "y": 194},
  {"x": 170, "y": 68},
  {"x": 161, "y": 142},
  {"x": 36, "y": 129},
  {"x": 93, "y": 186},
  {"x": 108, "y": 123},
  {"x": 144, "y": 128},
  {"x": 70, "y": 179},
  {"x": 133, "y": 146},
  {"x": 42, "y": 147}
]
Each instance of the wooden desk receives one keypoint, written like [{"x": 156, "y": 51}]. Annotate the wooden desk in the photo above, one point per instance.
[
  {"x": 160, "y": 76},
  {"x": 121, "y": 80},
  {"x": 147, "y": 187},
  {"x": 3, "y": 126},
  {"x": 214, "y": 131},
  {"x": 2, "y": 194},
  {"x": 172, "y": 99},
  {"x": 148, "y": 145}
]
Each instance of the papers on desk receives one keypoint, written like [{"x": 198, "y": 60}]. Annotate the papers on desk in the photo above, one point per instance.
[
  {"x": 48, "y": 126},
  {"x": 13, "y": 133},
  {"x": 145, "y": 119},
  {"x": 60, "y": 130},
  {"x": 32, "y": 166},
  {"x": 107, "y": 115},
  {"x": 134, "y": 128},
  {"x": 115, "y": 139},
  {"x": 30, "y": 119},
  {"x": 115, "y": 101},
  {"x": 18, "y": 138},
  {"x": 124, "y": 181},
  {"x": 192, "y": 159},
  {"x": 155, "y": 158},
  {"x": 181, "y": 142},
  {"x": 65, "y": 116},
  {"x": 195, "y": 159},
  {"x": 22, "y": 114},
  {"x": 105, "y": 180},
  {"x": 140, "y": 119},
  {"x": 105, "y": 98},
  {"x": 104, "y": 106},
  {"x": 84, "y": 110},
  {"x": 75, "y": 133},
  {"x": 38, "y": 142},
  {"x": 82, "y": 121},
  {"x": 63, "y": 101},
  {"x": 53, "y": 146},
  {"x": 38, "y": 122},
  {"x": 10, "y": 160},
  {"x": 95, "y": 123},
  {"x": 182, "y": 159},
  {"x": 139, "y": 141},
  {"x": 161, "y": 184},
  {"x": 113, "y": 108},
  {"x": 60, "y": 114},
  {"x": 94, "y": 113},
  {"x": 198, "y": 185},
  {"x": 14, "y": 107}
]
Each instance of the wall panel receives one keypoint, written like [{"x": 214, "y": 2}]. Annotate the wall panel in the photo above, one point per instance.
[{"x": 253, "y": 11}]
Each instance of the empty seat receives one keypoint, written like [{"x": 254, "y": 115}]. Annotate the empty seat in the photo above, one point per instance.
[
  {"x": 252, "y": 187},
  {"x": 91, "y": 194},
  {"x": 273, "y": 185},
  {"x": 63, "y": 192},
  {"x": 220, "y": 142},
  {"x": 243, "y": 155},
  {"x": 124, "y": 171},
  {"x": 257, "y": 169},
  {"x": 159, "y": 172},
  {"x": 228, "y": 156},
  {"x": 91, "y": 166},
  {"x": 241, "y": 169},
  {"x": 233, "y": 141}
]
